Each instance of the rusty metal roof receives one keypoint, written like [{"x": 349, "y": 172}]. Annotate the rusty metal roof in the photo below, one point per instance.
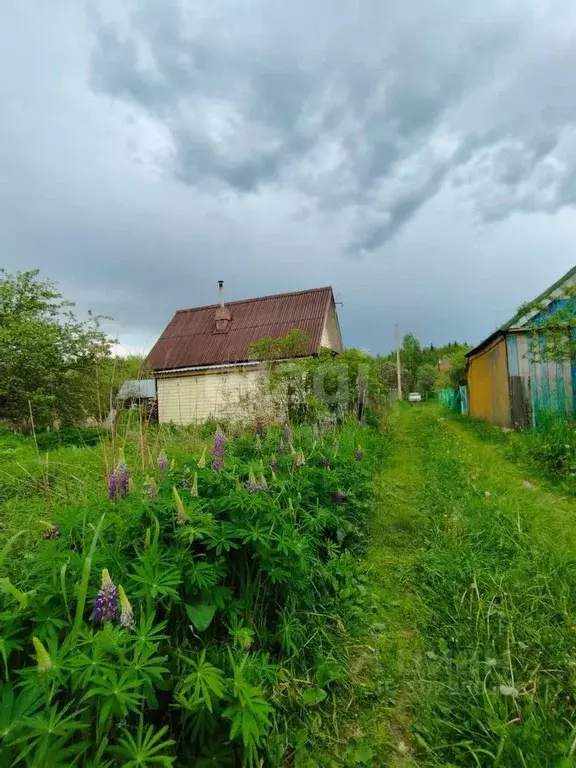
[{"x": 190, "y": 338}]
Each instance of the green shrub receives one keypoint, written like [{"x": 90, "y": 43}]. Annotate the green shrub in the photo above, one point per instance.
[{"x": 48, "y": 441}]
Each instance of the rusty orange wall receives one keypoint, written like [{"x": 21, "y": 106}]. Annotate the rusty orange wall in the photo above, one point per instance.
[{"x": 488, "y": 385}]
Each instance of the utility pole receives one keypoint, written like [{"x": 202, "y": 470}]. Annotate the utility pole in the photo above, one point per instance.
[{"x": 398, "y": 369}]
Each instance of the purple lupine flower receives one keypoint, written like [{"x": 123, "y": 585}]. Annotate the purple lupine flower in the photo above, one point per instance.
[
  {"x": 259, "y": 428},
  {"x": 163, "y": 462},
  {"x": 339, "y": 497},
  {"x": 359, "y": 455},
  {"x": 106, "y": 603},
  {"x": 113, "y": 486},
  {"x": 324, "y": 461},
  {"x": 274, "y": 464},
  {"x": 52, "y": 532},
  {"x": 218, "y": 450},
  {"x": 123, "y": 475}
]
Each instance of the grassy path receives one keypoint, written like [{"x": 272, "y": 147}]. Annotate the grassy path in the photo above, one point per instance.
[{"x": 470, "y": 658}]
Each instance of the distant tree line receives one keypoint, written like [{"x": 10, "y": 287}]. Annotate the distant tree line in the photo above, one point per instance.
[{"x": 420, "y": 366}]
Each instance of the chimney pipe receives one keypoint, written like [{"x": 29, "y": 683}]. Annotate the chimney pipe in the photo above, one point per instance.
[{"x": 222, "y": 315}]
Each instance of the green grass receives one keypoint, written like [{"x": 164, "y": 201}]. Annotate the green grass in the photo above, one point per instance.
[{"x": 469, "y": 655}]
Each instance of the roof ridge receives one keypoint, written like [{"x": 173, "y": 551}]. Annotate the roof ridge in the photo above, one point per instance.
[
  {"x": 258, "y": 298},
  {"x": 544, "y": 295}
]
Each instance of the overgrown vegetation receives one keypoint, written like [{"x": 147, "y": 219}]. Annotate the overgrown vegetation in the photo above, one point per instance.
[
  {"x": 476, "y": 646},
  {"x": 495, "y": 682},
  {"x": 177, "y": 602}
]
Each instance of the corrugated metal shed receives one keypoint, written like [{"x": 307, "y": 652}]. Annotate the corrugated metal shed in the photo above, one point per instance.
[
  {"x": 508, "y": 385},
  {"x": 137, "y": 389},
  {"x": 190, "y": 339}
]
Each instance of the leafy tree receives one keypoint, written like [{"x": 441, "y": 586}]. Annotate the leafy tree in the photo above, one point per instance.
[
  {"x": 48, "y": 358},
  {"x": 455, "y": 376},
  {"x": 294, "y": 344},
  {"x": 411, "y": 356},
  {"x": 426, "y": 377},
  {"x": 111, "y": 373},
  {"x": 389, "y": 376}
]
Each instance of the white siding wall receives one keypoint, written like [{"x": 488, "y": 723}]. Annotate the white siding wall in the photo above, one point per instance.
[
  {"x": 331, "y": 337},
  {"x": 230, "y": 396}
]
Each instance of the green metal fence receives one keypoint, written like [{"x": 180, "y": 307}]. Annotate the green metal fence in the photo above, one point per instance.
[{"x": 455, "y": 399}]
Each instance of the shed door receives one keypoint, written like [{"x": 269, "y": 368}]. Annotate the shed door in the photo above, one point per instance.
[{"x": 520, "y": 408}]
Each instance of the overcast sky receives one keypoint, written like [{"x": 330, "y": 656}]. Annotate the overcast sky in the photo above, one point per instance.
[{"x": 418, "y": 156}]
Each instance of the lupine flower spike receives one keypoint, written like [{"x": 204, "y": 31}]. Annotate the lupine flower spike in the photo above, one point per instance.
[
  {"x": 152, "y": 488},
  {"x": 260, "y": 429},
  {"x": 274, "y": 466},
  {"x": 106, "y": 603},
  {"x": 252, "y": 485},
  {"x": 359, "y": 455},
  {"x": 262, "y": 482},
  {"x": 181, "y": 516},
  {"x": 218, "y": 450},
  {"x": 299, "y": 461},
  {"x": 286, "y": 438},
  {"x": 126, "y": 612},
  {"x": 113, "y": 486},
  {"x": 315, "y": 433},
  {"x": 325, "y": 463},
  {"x": 163, "y": 462},
  {"x": 202, "y": 459},
  {"x": 123, "y": 475},
  {"x": 194, "y": 487},
  {"x": 42, "y": 656},
  {"x": 52, "y": 531}
]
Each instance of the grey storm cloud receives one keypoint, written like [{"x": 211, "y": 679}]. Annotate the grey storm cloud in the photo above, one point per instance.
[
  {"x": 418, "y": 156},
  {"x": 370, "y": 108}
]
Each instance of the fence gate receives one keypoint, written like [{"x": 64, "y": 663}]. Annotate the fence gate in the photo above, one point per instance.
[{"x": 520, "y": 409}]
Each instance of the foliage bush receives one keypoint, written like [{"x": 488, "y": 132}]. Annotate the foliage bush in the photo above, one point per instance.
[
  {"x": 48, "y": 441},
  {"x": 218, "y": 626},
  {"x": 550, "y": 447}
]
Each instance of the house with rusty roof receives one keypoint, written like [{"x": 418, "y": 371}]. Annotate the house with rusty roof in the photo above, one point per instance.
[
  {"x": 507, "y": 384},
  {"x": 202, "y": 362}
]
